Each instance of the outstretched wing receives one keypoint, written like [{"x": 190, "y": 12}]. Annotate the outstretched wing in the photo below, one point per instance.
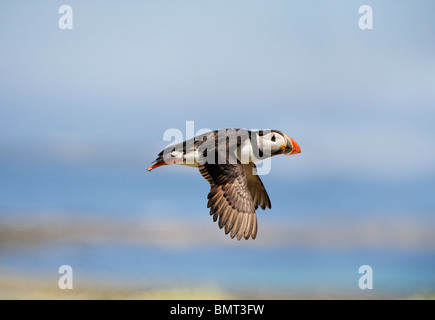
[
  {"x": 256, "y": 187},
  {"x": 230, "y": 199}
]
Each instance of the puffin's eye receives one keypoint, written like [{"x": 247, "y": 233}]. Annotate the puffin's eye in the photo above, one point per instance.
[{"x": 273, "y": 138}]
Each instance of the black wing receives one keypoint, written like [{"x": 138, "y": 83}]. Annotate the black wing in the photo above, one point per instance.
[
  {"x": 230, "y": 199},
  {"x": 256, "y": 187}
]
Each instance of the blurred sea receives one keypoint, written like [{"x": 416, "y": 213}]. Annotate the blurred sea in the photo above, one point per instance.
[
  {"x": 47, "y": 194},
  {"x": 129, "y": 190}
]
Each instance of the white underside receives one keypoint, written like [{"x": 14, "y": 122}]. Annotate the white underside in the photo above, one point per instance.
[{"x": 245, "y": 155}]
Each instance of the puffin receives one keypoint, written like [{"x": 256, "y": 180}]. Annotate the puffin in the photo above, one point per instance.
[{"x": 226, "y": 159}]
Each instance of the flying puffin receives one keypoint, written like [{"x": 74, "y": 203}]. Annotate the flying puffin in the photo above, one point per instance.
[{"x": 225, "y": 158}]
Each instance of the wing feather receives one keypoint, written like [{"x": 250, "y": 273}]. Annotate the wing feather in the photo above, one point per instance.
[
  {"x": 230, "y": 199},
  {"x": 256, "y": 187}
]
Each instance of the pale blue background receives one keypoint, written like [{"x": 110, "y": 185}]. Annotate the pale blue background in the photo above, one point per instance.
[{"x": 83, "y": 112}]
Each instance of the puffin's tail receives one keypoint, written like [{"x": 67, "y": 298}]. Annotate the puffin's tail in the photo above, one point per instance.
[
  {"x": 158, "y": 162},
  {"x": 161, "y": 162}
]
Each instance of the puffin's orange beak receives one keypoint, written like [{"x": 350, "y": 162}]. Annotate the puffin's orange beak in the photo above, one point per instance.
[{"x": 292, "y": 147}]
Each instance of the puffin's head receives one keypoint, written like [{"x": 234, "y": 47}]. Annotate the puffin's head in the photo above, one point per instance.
[{"x": 278, "y": 143}]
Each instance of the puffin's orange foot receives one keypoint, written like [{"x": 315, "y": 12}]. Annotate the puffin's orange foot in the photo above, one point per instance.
[{"x": 162, "y": 163}]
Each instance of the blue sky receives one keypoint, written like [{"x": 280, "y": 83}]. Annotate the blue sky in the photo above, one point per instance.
[
  {"x": 83, "y": 113},
  {"x": 358, "y": 102}
]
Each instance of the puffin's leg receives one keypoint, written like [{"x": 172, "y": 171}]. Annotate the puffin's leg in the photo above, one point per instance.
[{"x": 162, "y": 163}]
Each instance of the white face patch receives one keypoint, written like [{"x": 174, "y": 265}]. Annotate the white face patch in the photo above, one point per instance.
[{"x": 271, "y": 143}]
